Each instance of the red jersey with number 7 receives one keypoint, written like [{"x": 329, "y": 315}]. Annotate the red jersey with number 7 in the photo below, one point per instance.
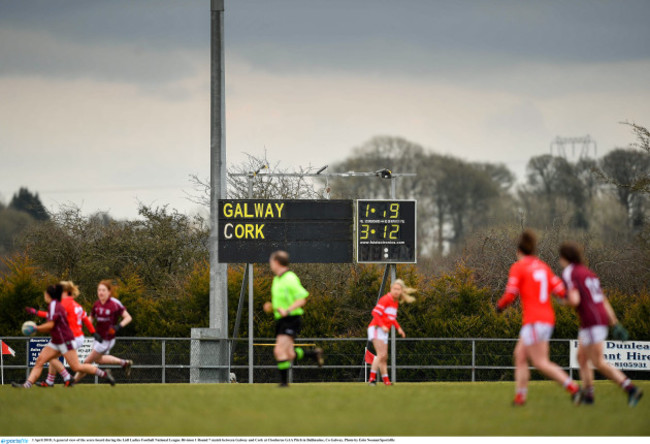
[{"x": 533, "y": 281}]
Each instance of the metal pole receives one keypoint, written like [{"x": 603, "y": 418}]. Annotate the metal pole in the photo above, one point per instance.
[
  {"x": 250, "y": 301},
  {"x": 393, "y": 277},
  {"x": 240, "y": 309},
  {"x": 393, "y": 343},
  {"x": 218, "y": 272},
  {"x": 473, "y": 360},
  {"x": 250, "y": 323},
  {"x": 2, "y": 363},
  {"x": 163, "y": 361}
]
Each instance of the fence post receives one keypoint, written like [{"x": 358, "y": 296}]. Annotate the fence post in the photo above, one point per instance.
[
  {"x": 163, "y": 361},
  {"x": 27, "y": 359},
  {"x": 473, "y": 360}
]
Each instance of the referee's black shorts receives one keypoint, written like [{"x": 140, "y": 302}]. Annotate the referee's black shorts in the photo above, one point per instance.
[{"x": 288, "y": 325}]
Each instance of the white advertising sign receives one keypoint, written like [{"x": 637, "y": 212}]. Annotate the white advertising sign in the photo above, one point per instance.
[
  {"x": 628, "y": 355},
  {"x": 83, "y": 351}
]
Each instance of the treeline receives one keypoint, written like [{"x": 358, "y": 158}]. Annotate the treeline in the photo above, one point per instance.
[{"x": 161, "y": 268}]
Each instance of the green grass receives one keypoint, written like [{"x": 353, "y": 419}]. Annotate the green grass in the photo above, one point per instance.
[{"x": 422, "y": 409}]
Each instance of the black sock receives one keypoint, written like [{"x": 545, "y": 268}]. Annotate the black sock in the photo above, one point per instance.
[{"x": 283, "y": 367}]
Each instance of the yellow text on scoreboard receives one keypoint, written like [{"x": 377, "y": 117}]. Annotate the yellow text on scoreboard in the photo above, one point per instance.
[{"x": 249, "y": 210}]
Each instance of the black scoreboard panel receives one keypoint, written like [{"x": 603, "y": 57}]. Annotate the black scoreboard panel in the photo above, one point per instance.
[
  {"x": 311, "y": 231},
  {"x": 386, "y": 231}
]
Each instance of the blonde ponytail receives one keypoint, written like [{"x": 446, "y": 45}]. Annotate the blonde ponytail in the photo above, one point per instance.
[
  {"x": 405, "y": 297},
  {"x": 70, "y": 288}
]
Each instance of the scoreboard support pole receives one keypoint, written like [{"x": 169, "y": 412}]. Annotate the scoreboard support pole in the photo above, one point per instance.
[
  {"x": 393, "y": 343},
  {"x": 393, "y": 277}
]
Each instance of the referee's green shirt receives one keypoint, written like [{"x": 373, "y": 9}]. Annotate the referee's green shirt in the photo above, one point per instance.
[{"x": 286, "y": 290}]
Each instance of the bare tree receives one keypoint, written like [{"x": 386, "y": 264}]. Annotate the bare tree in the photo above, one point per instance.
[{"x": 268, "y": 180}]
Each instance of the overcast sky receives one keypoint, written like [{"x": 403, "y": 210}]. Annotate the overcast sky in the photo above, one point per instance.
[{"x": 104, "y": 104}]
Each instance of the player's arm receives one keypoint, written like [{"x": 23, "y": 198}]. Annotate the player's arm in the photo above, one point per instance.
[
  {"x": 613, "y": 320},
  {"x": 399, "y": 328},
  {"x": 296, "y": 305},
  {"x": 33, "y": 311},
  {"x": 511, "y": 292},
  {"x": 87, "y": 321},
  {"x": 126, "y": 319},
  {"x": 45, "y": 327},
  {"x": 557, "y": 286},
  {"x": 573, "y": 297},
  {"x": 299, "y": 294},
  {"x": 378, "y": 316}
]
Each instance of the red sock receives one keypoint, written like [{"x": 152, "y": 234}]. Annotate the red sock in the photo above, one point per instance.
[
  {"x": 373, "y": 376},
  {"x": 385, "y": 379}
]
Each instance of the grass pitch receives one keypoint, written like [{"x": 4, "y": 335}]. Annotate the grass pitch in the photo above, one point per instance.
[{"x": 419, "y": 409}]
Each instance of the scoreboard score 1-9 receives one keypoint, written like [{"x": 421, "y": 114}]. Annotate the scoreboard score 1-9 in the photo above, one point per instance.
[{"x": 386, "y": 231}]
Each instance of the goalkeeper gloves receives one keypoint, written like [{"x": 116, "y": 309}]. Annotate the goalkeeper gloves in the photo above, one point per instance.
[
  {"x": 620, "y": 333},
  {"x": 31, "y": 310}
]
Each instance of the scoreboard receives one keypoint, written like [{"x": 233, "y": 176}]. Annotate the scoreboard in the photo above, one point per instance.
[
  {"x": 386, "y": 231},
  {"x": 314, "y": 231},
  {"x": 317, "y": 231}
]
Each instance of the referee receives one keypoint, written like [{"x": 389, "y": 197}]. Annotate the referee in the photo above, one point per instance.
[{"x": 288, "y": 297}]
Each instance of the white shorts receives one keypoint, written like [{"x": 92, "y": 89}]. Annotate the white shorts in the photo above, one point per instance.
[
  {"x": 63, "y": 348},
  {"x": 103, "y": 347},
  {"x": 593, "y": 334},
  {"x": 79, "y": 341},
  {"x": 375, "y": 332},
  {"x": 537, "y": 332}
]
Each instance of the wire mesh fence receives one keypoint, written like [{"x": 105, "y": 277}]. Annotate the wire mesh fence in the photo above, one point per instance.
[{"x": 168, "y": 360}]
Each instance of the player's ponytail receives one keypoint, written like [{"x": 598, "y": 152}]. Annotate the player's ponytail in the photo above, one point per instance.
[
  {"x": 405, "y": 297},
  {"x": 70, "y": 288},
  {"x": 55, "y": 291}
]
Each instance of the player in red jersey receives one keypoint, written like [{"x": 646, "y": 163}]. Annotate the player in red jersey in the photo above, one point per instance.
[
  {"x": 76, "y": 316},
  {"x": 62, "y": 342},
  {"x": 107, "y": 312},
  {"x": 384, "y": 316},
  {"x": 533, "y": 281},
  {"x": 596, "y": 314}
]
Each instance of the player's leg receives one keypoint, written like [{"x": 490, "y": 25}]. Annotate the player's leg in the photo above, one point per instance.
[
  {"x": 596, "y": 356},
  {"x": 522, "y": 373},
  {"x": 73, "y": 359},
  {"x": 92, "y": 357},
  {"x": 379, "y": 364},
  {"x": 284, "y": 354},
  {"x": 538, "y": 353},
  {"x": 55, "y": 367},
  {"x": 586, "y": 373},
  {"x": 113, "y": 360},
  {"x": 47, "y": 354},
  {"x": 383, "y": 361}
]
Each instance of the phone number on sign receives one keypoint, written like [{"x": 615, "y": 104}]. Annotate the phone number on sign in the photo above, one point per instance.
[{"x": 631, "y": 365}]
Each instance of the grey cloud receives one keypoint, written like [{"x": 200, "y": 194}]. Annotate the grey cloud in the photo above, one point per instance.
[{"x": 459, "y": 40}]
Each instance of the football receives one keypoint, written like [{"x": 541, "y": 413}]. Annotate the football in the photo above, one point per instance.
[{"x": 28, "y": 328}]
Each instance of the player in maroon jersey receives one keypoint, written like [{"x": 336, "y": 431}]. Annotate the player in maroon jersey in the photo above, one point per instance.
[
  {"x": 596, "y": 314},
  {"x": 62, "y": 342},
  {"x": 110, "y": 316}
]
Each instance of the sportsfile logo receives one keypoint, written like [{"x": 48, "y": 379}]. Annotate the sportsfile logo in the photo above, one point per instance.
[{"x": 14, "y": 441}]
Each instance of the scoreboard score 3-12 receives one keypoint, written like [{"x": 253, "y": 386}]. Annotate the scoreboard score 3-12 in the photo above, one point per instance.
[{"x": 386, "y": 231}]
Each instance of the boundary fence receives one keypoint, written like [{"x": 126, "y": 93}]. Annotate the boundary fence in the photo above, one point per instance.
[{"x": 167, "y": 360}]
